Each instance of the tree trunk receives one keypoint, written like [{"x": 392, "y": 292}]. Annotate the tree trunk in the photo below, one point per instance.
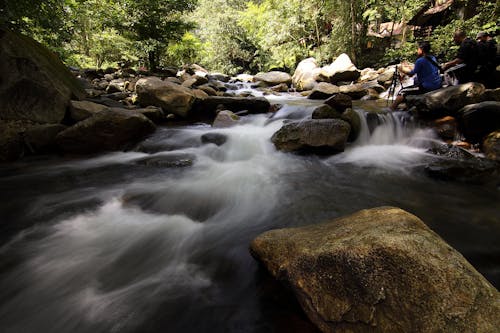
[
  {"x": 152, "y": 61},
  {"x": 353, "y": 32}
]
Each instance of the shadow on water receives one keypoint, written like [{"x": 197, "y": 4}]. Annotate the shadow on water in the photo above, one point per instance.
[{"x": 113, "y": 244}]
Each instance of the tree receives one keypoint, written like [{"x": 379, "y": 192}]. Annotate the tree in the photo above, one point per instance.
[{"x": 155, "y": 23}]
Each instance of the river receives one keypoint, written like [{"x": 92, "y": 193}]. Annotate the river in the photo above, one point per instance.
[{"x": 113, "y": 243}]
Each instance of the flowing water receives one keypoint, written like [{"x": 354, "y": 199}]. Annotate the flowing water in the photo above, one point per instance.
[{"x": 112, "y": 243}]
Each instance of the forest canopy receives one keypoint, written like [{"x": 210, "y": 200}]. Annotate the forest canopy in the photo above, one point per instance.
[{"x": 234, "y": 36}]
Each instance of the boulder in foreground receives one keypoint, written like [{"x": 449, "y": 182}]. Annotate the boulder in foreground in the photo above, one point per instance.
[{"x": 379, "y": 270}]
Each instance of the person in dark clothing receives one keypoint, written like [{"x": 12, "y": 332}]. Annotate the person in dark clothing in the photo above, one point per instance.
[
  {"x": 487, "y": 54},
  {"x": 427, "y": 71},
  {"x": 466, "y": 55}
]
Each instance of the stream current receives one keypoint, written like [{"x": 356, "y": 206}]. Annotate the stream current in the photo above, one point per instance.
[{"x": 133, "y": 242}]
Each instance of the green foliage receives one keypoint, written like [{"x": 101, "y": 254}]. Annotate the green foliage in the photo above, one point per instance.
[{"x": 186, "y": 51}]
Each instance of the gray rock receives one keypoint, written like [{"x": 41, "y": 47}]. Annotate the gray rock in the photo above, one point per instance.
[
  {"x": 274, "y": 78},
  {"x": 303, "y": 77},
  {"x": 379, "y": 270},
  {"x": 215, "y": 138},
  {"x": 153, "y": 113},
  {"x": 351, "y": 117},
  {"x": 312, "y": 135},
  {"x": 340, "y": 102},
  {"x": 105, "y": 131},
  {"x": 323, "y": 90},
  {"x": 35, "y": 85},
  {"x": 342, "y": 69},
  {"x": 168, "y": 161},
  {"x": 225, "y": 118},
  {"x": 42, "y": 138},
  {"x": 325, "y": 112}
]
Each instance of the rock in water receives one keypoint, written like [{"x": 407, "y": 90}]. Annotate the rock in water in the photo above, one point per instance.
[
  {"x": 313, "y": 135},
  {"x": 35, "y": 85},
  {"x": 379, "y": 270},
  {"x": 105, "y": 131}
]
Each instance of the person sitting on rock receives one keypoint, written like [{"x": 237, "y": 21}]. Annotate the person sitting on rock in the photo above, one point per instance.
[
  {"x": 427, "y": 74},
  {"x": 465, "y": 63},
  {"x": 487, "y": 53}
]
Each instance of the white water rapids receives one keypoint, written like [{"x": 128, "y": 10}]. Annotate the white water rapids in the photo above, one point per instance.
[{"x": 120, "y": 246}]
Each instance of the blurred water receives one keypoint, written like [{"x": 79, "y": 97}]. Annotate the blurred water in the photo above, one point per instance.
[{"x": 112, "y": 244}]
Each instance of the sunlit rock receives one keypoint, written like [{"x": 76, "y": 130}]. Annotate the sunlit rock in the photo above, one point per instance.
[
  {"x": 342, "y": 69},
  {"x": 379, "y": 270},
  {"x": 323, "y": 90},
  {"x": 303, "y": 77},
  {"x": 172, "y": 98},
  {"x": 274, "y": 78}
]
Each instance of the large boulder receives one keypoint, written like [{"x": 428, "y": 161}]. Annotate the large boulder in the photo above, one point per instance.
[
  {"x": 379, "y": 270},
  {"x": 35, "y": 85},
  {"x": 225, "y": 118},
  {"x": 446, "y": 101},
  {"x": 171, "y": 97},
  {"x": 105, "y": 131},
  {"x": 303, "y": 77},
  {"x": 342, "y": 69},
  {"x": 478, "y": 120},
  {"x": 325, "y": 111},
  {"x": 355, "y": 91},
  {"x": 312, "y": 135},
  {"x": 274, "y": 78}
]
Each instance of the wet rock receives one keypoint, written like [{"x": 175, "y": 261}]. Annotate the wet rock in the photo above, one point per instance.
[
  {"x": 446, "y": 101},
  {"x": 457, "y": 164},
  {"x": 35, "y": 85},
  {"x": 215, "y": 138},
  {"x": 478, "y": 120},
  {"x": 105, "y": 131},
  {"x": 171, "y": 97},
  {"x": 225, "y": 118},
  {"x": 254, "y": 105},
  {"x": 303, "y": 78},
  {"x": 352, "y": 118},
  {"x": 446, "y": 127},
  {"x": 342, "y": 69},
  {"x": 491, "y": 146},
  {"x": 283, "y": 87},
  {"x": 379, "y": 270},
  {"x": 312, "y": 136},
  {"x": 11, "y": 142},
  {"x": 323, "y": 90},
  {"x": 340, "y": 102},
  {"x": 153, "y": 113},
  {"x": 81, "y": 110},
  {"x": 274, "y": 78},
  {"x": 491, "y": 95},
  {"x": 168, "y": 161},
  {"x": 325, "y": 112},
  {"x": 218, "y": 77}
]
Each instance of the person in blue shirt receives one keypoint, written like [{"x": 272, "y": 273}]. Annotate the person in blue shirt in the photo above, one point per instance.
[{"x": 427, "y": 71}]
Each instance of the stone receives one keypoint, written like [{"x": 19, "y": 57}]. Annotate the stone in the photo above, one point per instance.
[
  {"x": 446, "y": 127},
  {"x": 312, "y": 136},
  {"x": 153, "y": 113},
  {"x": 172, "y": 98},
  {"x": 323, "y": 90},
  {"x": 168, "y": 160},
  {"x": 325, "y": 112},
  {"x": 478, "y": 120},
  {"x": 225, "y": 118},
  {"x": 11, "y": 142},
  {"x": 35, "y": 85},
  {"x": 253, "y": 105},
  {"x": 105, "y": 131},
  {"x": 81, "y": 110},
  {"x": 446, "y": 101},
  {"x": 274, "y": 78},
  {"x": 42, "y": 138},
  {"x": 355, "y": 91},
  {"x": 340, "y": 102},
  {"x": 216, "y": 138},
  {"x": 379, "y": 270},
  {"x": 342, "y": 69},
  {"x": 303, "y": 77},
  {"x": 351, "y": 117},
  {"x": 491, "y": 146}
]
